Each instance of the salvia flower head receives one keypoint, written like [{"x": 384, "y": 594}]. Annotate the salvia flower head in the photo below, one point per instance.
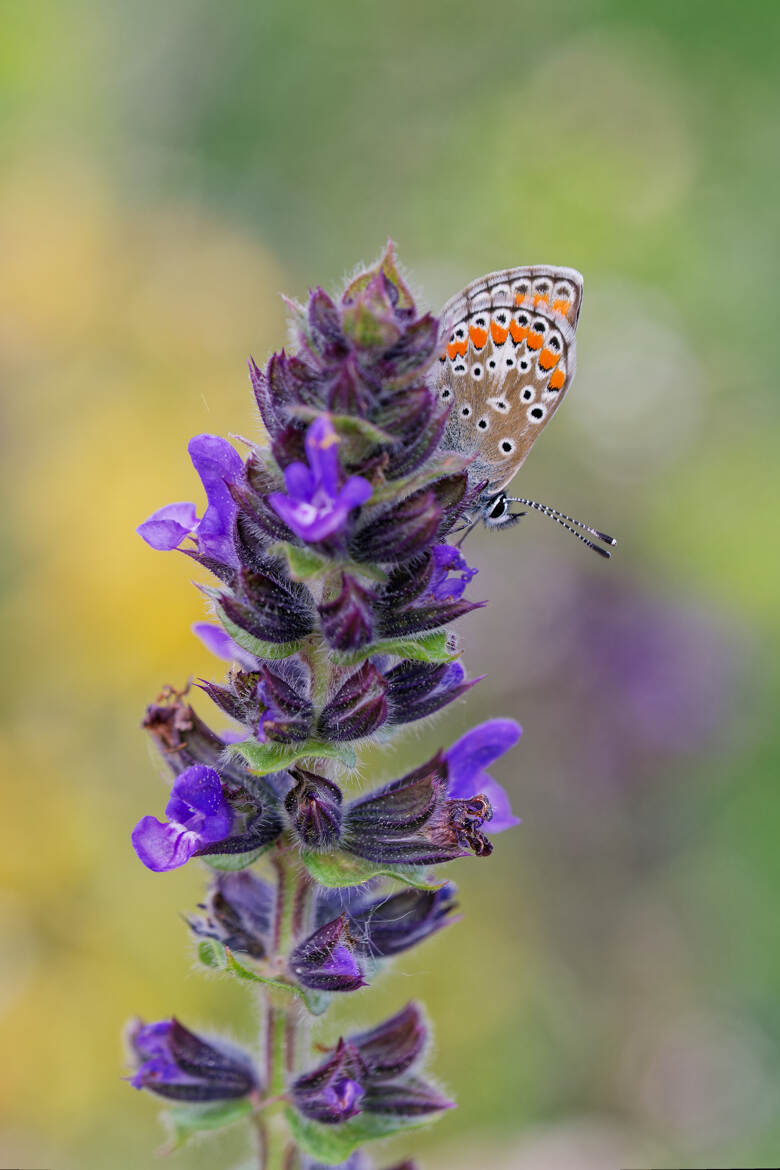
[{"x": 336, "y": 587}]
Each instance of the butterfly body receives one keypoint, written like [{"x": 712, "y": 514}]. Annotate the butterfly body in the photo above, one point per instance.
[{"x": 508, "y": 360}]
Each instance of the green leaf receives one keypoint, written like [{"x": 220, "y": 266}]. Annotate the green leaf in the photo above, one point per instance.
[
  {"x": 338, "y": 870},
  {"x": 232, "y": 862},
  {"x": 269, "y": 650},
  {"x": 332, "y": 1144},
  {"x": 431, "y": 647},
  {"x": 185, "y": 1120},
  {"x": 217, "y": 957},
  {"x": 277, "y": 757},
  {"x": 211, "y": 954},
  {"x": 347, "y": 424}
]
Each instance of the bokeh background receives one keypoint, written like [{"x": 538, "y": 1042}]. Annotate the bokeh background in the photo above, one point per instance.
[{"x": 611, "y": 997}]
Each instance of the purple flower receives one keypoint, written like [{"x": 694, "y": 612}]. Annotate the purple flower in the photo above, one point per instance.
[
  {"x": 217, "y": 464},
  {"x": 325, "y": 961},
  {"x": 315, "y": 506},
  {"x": 173, "y": 1062},
  {"x": 466, "y": 762},
  {"x": 198, "y": 815},
  {"x": 215, "y": 639},
  {"x": 446, "y": 560}
]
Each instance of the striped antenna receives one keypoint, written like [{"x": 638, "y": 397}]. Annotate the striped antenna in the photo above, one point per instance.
[{"x": 567, "y": 522}]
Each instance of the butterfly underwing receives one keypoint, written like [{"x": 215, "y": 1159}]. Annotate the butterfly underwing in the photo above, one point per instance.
[
  {"x": 509, "y": 357},
  {"x": 508, "y": 362}
]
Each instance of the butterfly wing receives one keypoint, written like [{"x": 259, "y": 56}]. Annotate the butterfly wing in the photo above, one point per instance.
[{"x": 508, "y": 362}]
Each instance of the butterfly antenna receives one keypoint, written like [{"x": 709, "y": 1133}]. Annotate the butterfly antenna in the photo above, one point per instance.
[{"x": 567, "y": 522}]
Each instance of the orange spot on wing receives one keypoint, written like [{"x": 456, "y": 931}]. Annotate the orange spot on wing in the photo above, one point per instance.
[
  {"x": 520, "y": 298},
  {"x": 457, "y": 349},
  {"x": 534, "y": 340},
  {"x": 498, "y": 334},
  {"x": 541, "y": 299},
  {"x": 478, "y": 336},
  {"x": 557, "y": 380},
  {"x": 443, "y": 356},
  {"x": 562, "y": 307},
  {"x": 519, "y": 332},
  {"x": 547, "y": 359}
]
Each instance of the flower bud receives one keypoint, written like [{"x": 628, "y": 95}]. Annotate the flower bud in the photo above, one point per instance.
[
  {"x": 326, "y": 960},
  {"x": 173, "y": 1062},
  {"x": 314, "y": 808},
  {"x": 238, "y": 913}
]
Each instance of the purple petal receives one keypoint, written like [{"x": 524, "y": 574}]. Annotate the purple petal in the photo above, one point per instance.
[
  {"x": 198, "y": 804},
  {"x": 215, "y": 639},
  {"x": 354, "y": 492},
  {"x": 322, "y": 445},
  {"x": 167, "y": 527},
  {"x": 216, "y": 462},
  {"x": 299, "y": 481},
  {"x": 342, "y": 962},
  {"x": 307, "y": 521},
  {"x": 477, "y": 749},
  {"x": 152, "y": 1039},
  {"x": 162, "y": 847}
]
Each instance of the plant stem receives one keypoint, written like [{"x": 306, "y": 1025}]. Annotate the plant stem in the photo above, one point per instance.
[{"x": 281, "y": 1031}]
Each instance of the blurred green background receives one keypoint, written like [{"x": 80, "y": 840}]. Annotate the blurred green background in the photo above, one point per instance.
[{"x": 610, "y": 998}]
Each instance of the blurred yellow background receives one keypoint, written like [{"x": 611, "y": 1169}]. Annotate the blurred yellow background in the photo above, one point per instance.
[{"x": 610, "y": 998}]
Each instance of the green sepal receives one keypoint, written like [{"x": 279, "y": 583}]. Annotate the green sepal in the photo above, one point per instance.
[
  {"x": 185, "y": 1120},
  {"x": 347, "y": 424},
  {"x": 232, "y": 862},
  {"x": 432, "y": 647},
  {"x": 269, "y": 650},
  {"x": 301, "y": 562},
  {"x": 338, "y": 870},
  {"x": 277, "y": 757},
  {"x": 332, "y": 1144}
]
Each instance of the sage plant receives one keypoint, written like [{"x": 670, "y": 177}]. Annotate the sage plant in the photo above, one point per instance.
[{"x": 335, "y": 589}]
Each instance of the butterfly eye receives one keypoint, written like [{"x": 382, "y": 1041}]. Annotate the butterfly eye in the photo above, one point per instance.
[
  {"x": 536, "y": 414},
  {"x": 507, "y": 446},
  {"x": 498, "y": 509}
]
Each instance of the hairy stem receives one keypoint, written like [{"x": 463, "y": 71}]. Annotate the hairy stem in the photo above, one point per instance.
[{"x": 281, "y": 1018}]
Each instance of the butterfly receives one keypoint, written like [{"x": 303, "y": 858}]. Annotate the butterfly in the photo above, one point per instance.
[{"x": 509, "y": 358}]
